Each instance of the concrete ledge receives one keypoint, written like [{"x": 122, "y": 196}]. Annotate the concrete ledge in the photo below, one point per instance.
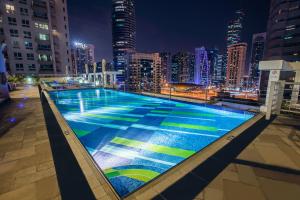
[{"x": 96, "y": 179}]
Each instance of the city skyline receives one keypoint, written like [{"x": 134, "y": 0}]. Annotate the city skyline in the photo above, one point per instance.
[{"x": 158, "y": 33}]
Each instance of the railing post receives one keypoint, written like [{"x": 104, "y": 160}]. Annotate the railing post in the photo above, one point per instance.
[
  {"x": 280, "y": 94},
  {"x": 270, "y": 101}
]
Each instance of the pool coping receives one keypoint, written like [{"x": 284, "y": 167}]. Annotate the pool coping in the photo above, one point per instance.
[{"x": 102, "y": 188}]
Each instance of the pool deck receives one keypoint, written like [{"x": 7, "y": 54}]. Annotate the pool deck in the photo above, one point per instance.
[{"x": 31, "y": 168}]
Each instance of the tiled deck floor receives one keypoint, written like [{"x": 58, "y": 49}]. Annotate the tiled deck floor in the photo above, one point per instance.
[
  {"x": 260, "y": 177},
  {"x": 27, "y": 170},
  {"x": 26, "y": 165}
]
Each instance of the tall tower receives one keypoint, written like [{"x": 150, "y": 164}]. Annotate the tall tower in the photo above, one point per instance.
[
  {"x": 123, "y": 34},
  {"x": 283, "y": 31},
  {"x": 235, "y": 27},
  {"x": 202, "y": 67},
  {"x": 182, "y": 66},
  {"x": 257, "y": 53},
  {"x": 236, "y": 64},
  {"x": 83, "y": 54}
]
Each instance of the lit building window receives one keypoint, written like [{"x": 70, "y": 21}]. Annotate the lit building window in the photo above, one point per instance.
[
  {"x": 41, "y": 26},
  {"x": 43, "y": 36},
  {"x": 10, "y": 8},
  {"x": 45, "y": 57}
]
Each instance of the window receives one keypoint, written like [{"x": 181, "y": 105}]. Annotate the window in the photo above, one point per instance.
[
  {"x": 28, "y": 45},
  {"x": 14, "y": 33},
  {"x": 19, "y": 67},
  {"x": 44, "y": 47},
  {"x": 43, "y": 36},
  {"x": 24, "y": 11},
  {"x": 16, "y": 44},
  {"x": 27, "y": 34},
  {"x": 25, "y": 23},
  {"x": 23, "y": 1},
  {"x": 10, "y": 9},
  {"x": 12, "y": 21},
  {"x": 18, "y": 55},
  {"x": 1, "y": 31},
  {"x": 41, "y": 26},
  {"x": 44, "y": 57},
  {"x": 31, "y": 67},
  {"x": 30, "y": 56}
]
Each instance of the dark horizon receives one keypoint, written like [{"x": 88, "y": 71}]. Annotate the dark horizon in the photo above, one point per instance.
[{"x": 164, "y": 26}]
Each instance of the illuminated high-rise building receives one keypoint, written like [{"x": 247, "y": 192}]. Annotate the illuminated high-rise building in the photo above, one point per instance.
[
  {"x": 202, "y": 73},
  {"x": 123, "y": 34},
  {"x": 144, "y": 72},
  {"x": 82, "y": 55},
  {"x": 236, "y": 62},
  {"x": 37, "y": 36},
  {"x": 216, "y": 64},
  {"x": 182, "y": 67},
  {"x": 235, "y": 27},
  {"x": 166, "y": 63},
  {"x": 257, "y": 53}
]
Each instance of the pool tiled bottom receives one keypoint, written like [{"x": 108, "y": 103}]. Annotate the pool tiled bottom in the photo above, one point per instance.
[{"x": 135, "y": 138}]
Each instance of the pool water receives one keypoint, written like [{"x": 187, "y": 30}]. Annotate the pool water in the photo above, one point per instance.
[{"x": 135, "y": 138}]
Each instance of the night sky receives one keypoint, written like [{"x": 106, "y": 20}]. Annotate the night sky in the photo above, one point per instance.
[{"x": 166, "y": 25}]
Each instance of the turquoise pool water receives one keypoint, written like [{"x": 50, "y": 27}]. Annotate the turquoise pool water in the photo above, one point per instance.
[{"x": 135, "y": 138}]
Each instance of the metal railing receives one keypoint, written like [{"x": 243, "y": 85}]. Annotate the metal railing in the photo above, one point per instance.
[{"x": 283, "y": 98}]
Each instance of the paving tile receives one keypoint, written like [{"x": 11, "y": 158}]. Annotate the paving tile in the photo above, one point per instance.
[
  {"x": 278, "y": 190},
  {"x": 247, "y": 175},
  {"x": 27, "y": 192},
  {"x": 274, "y": 156},
  {"x": 47, "y": 188},
  {"x": 18, "y": 154},
  {"x": 213, "y": 194},
  {"x": 238, "y": 191}
]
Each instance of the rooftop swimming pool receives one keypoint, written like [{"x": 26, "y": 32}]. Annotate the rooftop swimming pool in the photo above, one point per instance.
[{"x": 134, "y": 138}]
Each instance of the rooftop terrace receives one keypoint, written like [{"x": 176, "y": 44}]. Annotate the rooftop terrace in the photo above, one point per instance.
[{"x": 36, "y": 162}]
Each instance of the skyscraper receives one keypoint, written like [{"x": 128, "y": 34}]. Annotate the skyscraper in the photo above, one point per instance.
[
  {"x": 283, "y": 38},
  {"x": 202, "y": 68},
  {"x": 219, "y": 70},
  {"x": 257, "y": 53},
  {"x": 123, "y": 33},
  {"x": 182, "y": 66},
  {"x": 236, "y": 61},
  {"x": 216, "y": 64},
  {"x": 235, "y": 27},
  {"x": 145, "y": 72},
  {"x": 37, "y": 36},
  {"x": 166, "y": 63},
  {"x": 82, "y": 54}
]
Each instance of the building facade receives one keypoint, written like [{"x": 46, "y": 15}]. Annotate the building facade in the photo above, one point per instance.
[
  {"x": 123, "y": 34},
  {"x": 82, "y": 55},
  {"x": 202, "y": 71},
  {"x": 166, "y": 65},
  {"x": 236, "y": 62},
  {"x": 283, "y": 31},
  {"x": 219, "y": 70},
  {"x": 235, "y": 27},
  {"x": 144, "y": 72},
  {"x": 37, "y": 36},
  {"x": 257, "y": 53},
  {"x": 182, "y": 69}
]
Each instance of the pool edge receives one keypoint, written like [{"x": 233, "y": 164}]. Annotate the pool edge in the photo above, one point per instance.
[
  {"x": 93, "y": 174},
  {"x": 97, "y": 179}
]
